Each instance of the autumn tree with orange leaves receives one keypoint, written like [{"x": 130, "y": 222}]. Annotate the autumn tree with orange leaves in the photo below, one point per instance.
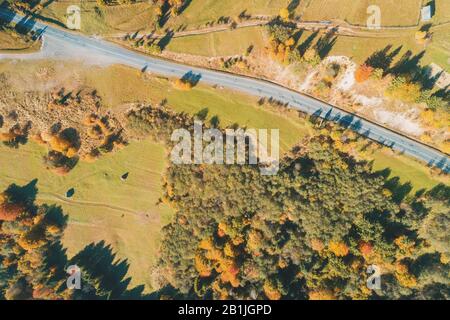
[{"x": 363, "y": 73}]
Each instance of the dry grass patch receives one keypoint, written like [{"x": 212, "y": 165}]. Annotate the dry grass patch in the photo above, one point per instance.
[
  {"x": 442, "y": 14},
  {"x": 200, "y": 12},
  {"x": 224, "y": 43},
  {"x": 97, "y": 19},
  {"x": 393, "y": 12},
  {"x": 13, "y": 42}
]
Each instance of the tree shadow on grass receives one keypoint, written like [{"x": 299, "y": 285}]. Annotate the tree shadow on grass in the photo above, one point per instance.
[
  {"x": 56, "y": 259},
  {"x": 432, "y": 4},
  {"x": 23, "y": 194},
  {"x": 297, "y": 35},
  {"x": 425, "y": 77},
  {"x": 215, "y": 121},
  {"x": 382, "y": 59},
  {"x": 164, "y": 41},
  {"x": 47, "y": 3},
  {"x": 302, "y": 48},
  {"x": 293, "y": 5},
  {"x": 165, "y": 292},
  {"x": 399, "y": 190},
  {"x": 441, "y": 192},
  {"x": 165, "y": 14},
  {"x": 408, "y": 63},
  {"x": 25, "y": 25},
  {"x": 185, "y": 5},
  {"x": 444, "y": 93},
  {"x": 202, "y": 114},
  {"x": 55, "y": 255},
  {"x": 326, "y": 43},
  {"x": 100, "y": 263},
  {"x": 8, "y": 16}
]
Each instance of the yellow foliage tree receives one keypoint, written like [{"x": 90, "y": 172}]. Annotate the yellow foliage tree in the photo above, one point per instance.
[
  {"x": 404, "y": 277},
  {"x": 317, "y": 245},
  {"x": 421, "y": 37},
  {"x": 229, "y": 250},
  {"x": 322, "y": 294},
  {"x": 53, "y": 230},
  {"x": 289, "y": 42},
  {"x": 29, "y": 244},
  {"x": 427, "y": 116},
  {"x": 158, "y": 11},
  {"x": 59, "y": 144},
  {"x": 339, "y": 248},
  {"x": 407, "y": 91},
  {"x": 284, "y": 14},
  {"x": 254, "y": 241},
  {"x": 206, "y": 244},
  {"x": 311, "y": 56},
  {"x": 219, "y": 290},
  {"x": 405, "y": 245},
  {"x": 271, "y": 291},
  {"x": 183, "y": 84},
  {"x": 202, "y": 267}
]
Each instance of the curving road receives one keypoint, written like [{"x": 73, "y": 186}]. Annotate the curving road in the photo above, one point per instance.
[{"x": 251, "y": 86}]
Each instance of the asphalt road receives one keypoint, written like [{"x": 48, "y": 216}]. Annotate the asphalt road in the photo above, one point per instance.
[{"x": 251, "y": 86}]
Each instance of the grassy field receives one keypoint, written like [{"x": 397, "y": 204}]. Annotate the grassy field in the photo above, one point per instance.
[
  {"x": 225, "y": 43},
  {"x": 140, "y": 16},
  {"x": 12, "y": 42},
  {"x": 100, "y": 20},
  {"x": 361, "y": 48},
  {"x": 200, "y": 12},
  {"x": 393, "y": 12},
  {"x": 442, "y": 11},
  {"x": 123, "y": 213},
  {"x": 408, "y": 169},
  {"x": 358, "y": 48}
]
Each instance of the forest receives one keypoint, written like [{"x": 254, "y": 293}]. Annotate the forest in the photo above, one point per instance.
[{"x": 309, "y": 232}]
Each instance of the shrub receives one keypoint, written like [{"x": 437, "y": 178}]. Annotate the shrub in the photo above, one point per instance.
[{"x": 363, "y": 73}]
